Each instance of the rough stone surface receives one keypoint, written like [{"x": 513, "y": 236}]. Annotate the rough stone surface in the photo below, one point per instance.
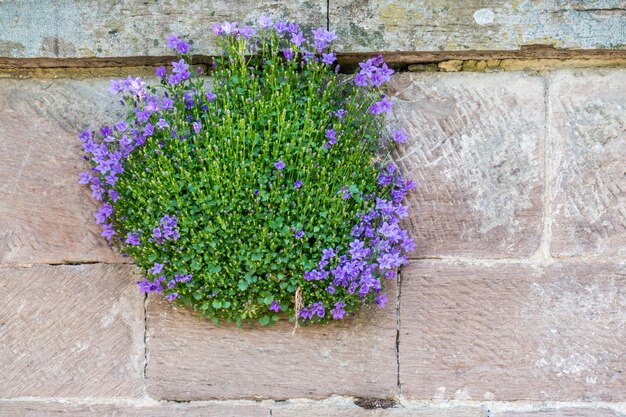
[
  {"x": 564, "y": 412},
  {"x": 191, "y": 359},
  {"x": 110, "y": 28},
  {"x": 432, "y": 25},
  {"x": 45, "y": 215},
  {"x": 305, "y": 409},
  {"x": 71, "y": 331},
  {"x": 513, "y": 332},
  {"x": 53, "y": 409},
  {"x": 475, "y": 153},
  {"x": 588, "y": 131}
]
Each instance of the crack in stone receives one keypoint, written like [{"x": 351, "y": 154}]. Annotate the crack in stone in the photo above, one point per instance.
[
  {"x": 399, "y": 293},
  {"x": 145, "y": 340}
]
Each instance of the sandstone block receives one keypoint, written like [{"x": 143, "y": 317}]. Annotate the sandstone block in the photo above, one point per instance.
[
  {"x": 191, "y": 359},
  {"x": 507, "y": 332},
  {"x": 45, "y": 215},
  {"x": 562, "y": 412},
  {"x": 588, "y": 131},
  {"x": 71, "y": 331},
  {"x": 337, "y": 409},
  {"x": 475, "y": 154},
  {"x": 53, "y": 409},
  {"x": 476, "y": 25},
  {"x": 112, "y": 28}
]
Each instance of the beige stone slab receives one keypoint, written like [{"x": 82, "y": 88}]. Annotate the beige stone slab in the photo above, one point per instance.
[
  {"x": 53, "y": 409},
  {"x": 588, "y": 133},
  {"x": 334, "y": 409},
  {"x": 431, "y": 25},
  {"x": 507, "y": 332},
  {"x": 475, "y": 154},
  {"x": 563, "y": 412},
  {"x": 45, "y": 215},
  {"x": 71, "y": 331},
  {"x": 113, "y": 28},
  {"x": 191, "y": 359}
]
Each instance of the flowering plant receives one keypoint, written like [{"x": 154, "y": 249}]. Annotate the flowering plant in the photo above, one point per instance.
[{"x": 265, "y": 192}]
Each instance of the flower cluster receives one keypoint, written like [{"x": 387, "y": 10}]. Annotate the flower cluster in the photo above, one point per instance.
[
  {"x": 379, "y": 247},
  {"x": 262, "y": 191}
]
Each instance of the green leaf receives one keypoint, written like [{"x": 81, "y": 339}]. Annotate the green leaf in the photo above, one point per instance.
[
  {"x": 265, "y": 320},
  {"x": 243, "y": 285}
]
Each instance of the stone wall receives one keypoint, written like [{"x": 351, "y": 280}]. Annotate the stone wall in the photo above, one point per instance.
[{"x": 513, "y": 304}]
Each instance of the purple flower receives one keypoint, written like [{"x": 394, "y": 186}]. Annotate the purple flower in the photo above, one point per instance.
[
  {"x": 182, "y": 277},
  {"x": 382, "y": 106},
  {"x": 142, "y": 116},
  {"x": 275, "y": 306},
  {"x": 324, "y": 36},
  {"x": 360, "y": 80},
  {"x": 385, "y": 71},
  {"x": 297, "y": 39},
  {"x": 86, "y": 135},
  {"x": 330, "y": 289},
  {"x": 399, "y": 136},
  {"x": 329, "y": 58},
  {"x": 135, "y": 85},
  {"x": 265, "y": 22},
  {"x": 279, "y": 165},
  {"x": 367, "y": 68},
  {"x": 381, "y": 300},
  {"x": 116, "y": 86},
  {"x": 288, "y": 54},
  {"x": 312, "y": 310},
  {"x": 408, "y": 245},
  {"x": 148, "y": 129},
  {"x": 228, "y": 28},
  {"x": 328, "y": 253},
  {"x": 307, "y": 55},
  {"x": 167, "y": 103},
  {"x": 160, "y": 72},
  {"x": 297, "y": 184},
  {"x": 390, "y": 231},
  {"x": 358, "y": 249},
  {"x": 157, "y": 268},
  {"x": 210, "y": 96},
  {"x": 182, "y": 46},
  {"x": 85, "y": 178},
  {"x": 180, "y": 66},
  {"x": 280, "y": 26},
  {"x": 121, "y": 126},
  {"x": 331, "y": 134},
  {"x": 246, "y": 32},
  {"x": 162, "y": 124},
  {"x": 172, "y": 41},
  {"x": 107, "y": 231},
  {"x": 113, "y": 194},
  {"x": 175, "y": 79},
  {"x": 197, "y": 126},
  {"x": 217, "y": 29},
  {"x": 292, "y": 27},
  {"x": 299, "y": 234},
  {"x": 341, "y": 113},
  {"x": 172, "y": 296},
  {"x": 104, "y": 213},
  {"x": 338, "y": 312},
  {"x": 132, "y": 239},
  {"x": 155, "y": 286}
]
